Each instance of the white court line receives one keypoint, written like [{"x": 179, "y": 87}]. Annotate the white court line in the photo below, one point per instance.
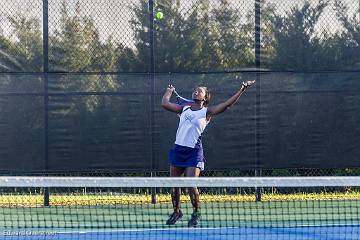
[{"x": 205, "y": 228}]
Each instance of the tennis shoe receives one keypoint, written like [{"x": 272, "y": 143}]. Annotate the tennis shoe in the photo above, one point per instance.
[
  {"x": 174, "y": 217},
  {"x": 194, "y": 220}
]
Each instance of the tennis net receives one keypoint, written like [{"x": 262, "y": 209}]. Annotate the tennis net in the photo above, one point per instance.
[{"x": 124, "y": 208}]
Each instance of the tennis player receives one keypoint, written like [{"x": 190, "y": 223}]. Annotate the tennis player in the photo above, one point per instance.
[{"x": 186, "y": 156}]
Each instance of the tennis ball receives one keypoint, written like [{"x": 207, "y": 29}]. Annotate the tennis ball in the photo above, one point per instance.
[{"x": 159, "y": 15}]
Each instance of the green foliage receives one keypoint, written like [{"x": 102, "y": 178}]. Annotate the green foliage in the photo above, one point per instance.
[
  {"x": 296, "y": 44},
  {"x": 22, "y": 52},
  {"x": 234, "y": 41},
  {"x": 200, "y": 36},
  {"x": 203, "y": 38},
  {"x": 76, "y": 47},
  {"x": 347, "y": 44}
]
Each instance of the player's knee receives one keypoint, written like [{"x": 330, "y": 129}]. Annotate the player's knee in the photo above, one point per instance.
[{"x": 193, "y": 191}]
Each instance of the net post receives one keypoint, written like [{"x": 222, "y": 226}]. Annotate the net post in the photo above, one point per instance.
[
  {"x": 153, "y": 190},
  {"x": 46, "y": 197},
  {"x": 258, "y": 173}
]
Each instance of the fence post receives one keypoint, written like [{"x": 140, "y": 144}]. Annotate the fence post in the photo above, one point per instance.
[
  {"x": 152, "y": 93},
  {"x": 46, "y": 84},
  {"x": 258, "y": 102}
]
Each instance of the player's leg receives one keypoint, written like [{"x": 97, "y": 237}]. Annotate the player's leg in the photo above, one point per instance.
[
  {"x": 175, "y": 196},
  {"x": 194, "y": 196}
]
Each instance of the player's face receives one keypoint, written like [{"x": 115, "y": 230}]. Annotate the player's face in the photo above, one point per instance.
[{"x": 199, "y": 94}]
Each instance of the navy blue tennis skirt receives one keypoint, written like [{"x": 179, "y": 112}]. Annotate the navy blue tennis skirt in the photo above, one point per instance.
[{"x": 181, "y": 156}]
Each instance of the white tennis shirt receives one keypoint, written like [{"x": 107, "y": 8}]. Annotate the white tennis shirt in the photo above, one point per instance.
[{"x": 192, "y": 124}]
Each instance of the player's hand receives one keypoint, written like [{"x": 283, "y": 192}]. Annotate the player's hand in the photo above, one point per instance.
[
  {"x": 248, "y": 83},
  {"x": 170, "y": 88}
]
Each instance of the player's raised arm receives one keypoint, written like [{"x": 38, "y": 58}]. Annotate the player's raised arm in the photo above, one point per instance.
[
  {"x": 219, "y": 108},
  {"x": 166, "y": 104}
]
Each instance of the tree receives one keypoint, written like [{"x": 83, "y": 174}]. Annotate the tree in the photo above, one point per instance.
[
  {"x": 234, "y": 39},
  {"x": 23, "y": 52},
  {"x": 297, "y": 45},
  {"x": 76, "y": 47},
  {"x": 196, "y": 38},
  {"x": 348, "y": 44}
]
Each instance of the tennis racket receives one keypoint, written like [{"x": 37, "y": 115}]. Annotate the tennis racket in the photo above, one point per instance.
[{"x": 181, "y": 100}]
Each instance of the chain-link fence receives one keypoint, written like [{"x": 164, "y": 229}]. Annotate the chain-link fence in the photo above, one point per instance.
[
  {"x": 193, "y": 36},
  {"x": 71, "y": 70}
]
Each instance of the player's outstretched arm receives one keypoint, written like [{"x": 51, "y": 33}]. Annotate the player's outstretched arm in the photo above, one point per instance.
[{"x": 219, "y": 108}]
